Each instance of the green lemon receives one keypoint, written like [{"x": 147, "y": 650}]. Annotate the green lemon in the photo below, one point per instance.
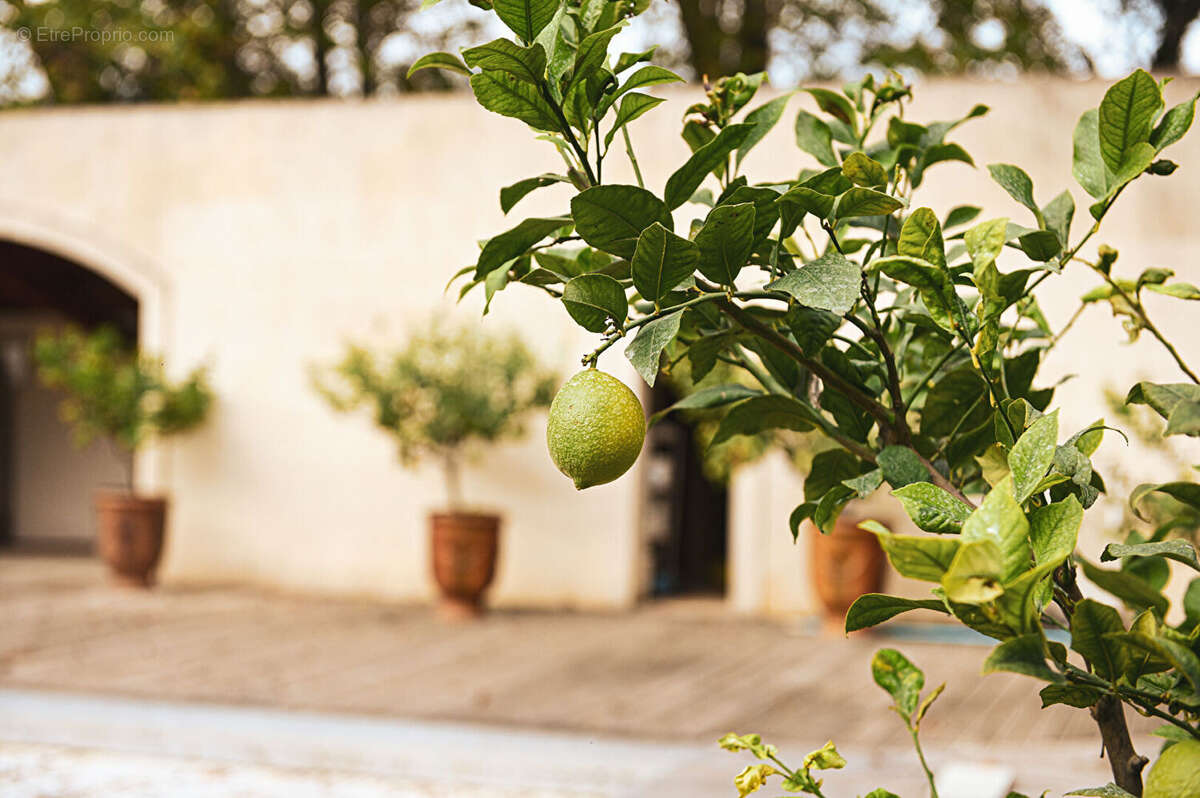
[
  {"x": 596, "y": 428},
  {"x": 1176, "y": 774}
]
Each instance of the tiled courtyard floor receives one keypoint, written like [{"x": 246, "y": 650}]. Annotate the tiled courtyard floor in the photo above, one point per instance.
[{"x": 683, "y": 672}]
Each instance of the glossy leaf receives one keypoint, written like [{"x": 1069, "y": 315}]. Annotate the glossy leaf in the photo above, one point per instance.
[
  {"x": 1125, "y": 117},
  {"x": 900, "y": 678},
  {"x": 612, "y": 217},
  {"x": 504, "y": 94},
  {"x": 595, "y": 299},
  {"x": 1026, "y": 655},
  {"x": 447, "y": 61},
  {"x": 527, "y": 64},
  {"x": 1000, "y": 520},
  {"x": 687, "y": 178},
  {"x": 526, "y": 18},
  {"x": 661, "y": 261},
  {"x": 707, "y": 398},
  {"x": 764, "y": 118},
  {"x": 504, "y": 247},
  {"x": 726, "y": 241}
]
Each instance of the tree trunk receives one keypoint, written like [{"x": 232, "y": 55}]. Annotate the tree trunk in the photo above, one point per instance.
[
  {"x": 1126, "y": 765},
  {"x": 320, "y": 46},
  {"x": 1177, "y": 15}
]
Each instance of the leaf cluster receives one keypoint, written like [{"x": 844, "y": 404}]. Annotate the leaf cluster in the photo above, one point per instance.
[
  {"x": 909, "y": 337},
  {"x": 443, "y": 389},
  {"x": 114, "y": 392}
]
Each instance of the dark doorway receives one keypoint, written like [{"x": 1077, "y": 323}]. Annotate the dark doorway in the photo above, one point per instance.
[
  {"x": 45, "y": 484},
  {"x": 686, "y": 512}
]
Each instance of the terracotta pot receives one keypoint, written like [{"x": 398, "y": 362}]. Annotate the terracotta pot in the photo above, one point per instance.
[
  {"x": 464, "y": 560},
  {"x": 845, "y": 564},
  {"x": 130, "y": 536}
]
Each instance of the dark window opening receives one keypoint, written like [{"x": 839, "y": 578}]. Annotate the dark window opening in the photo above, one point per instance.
[{"x": 686, "y": 513}]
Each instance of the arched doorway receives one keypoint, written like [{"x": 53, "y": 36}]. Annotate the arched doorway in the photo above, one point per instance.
[{"x": 46, "y": 484}]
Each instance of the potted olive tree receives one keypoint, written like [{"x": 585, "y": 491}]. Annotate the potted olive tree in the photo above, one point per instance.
[
  {"x": 117, "y": 394},
  {"x": 441, "y": 393}
]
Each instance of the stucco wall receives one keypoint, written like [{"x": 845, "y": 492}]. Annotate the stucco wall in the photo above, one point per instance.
[{"x": 260, "y": 235}]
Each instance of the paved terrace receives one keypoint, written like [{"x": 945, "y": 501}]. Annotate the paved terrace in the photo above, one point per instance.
[{"x": 676, "y": 671}]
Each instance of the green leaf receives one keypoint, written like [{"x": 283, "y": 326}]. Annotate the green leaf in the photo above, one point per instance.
[
  {"x": 651, "y": 75},
  {"x": 985, "y": 241},
  {"x": 921, "y": 237},
  {"x": 1000, "y": 520},
  {"x": 976, "y": 574},
  {"x": 1182, "y": 658},
  {"x": 831, "y": 282},
  {"x": 864, "y": 485},
  {"x": 511, "y": 195},
  {"x": 1059, "y": 213},
  {"x": 526, "y": 18},
  {"x": 834, "y": 104},
  {"x": 652, "y": 338},
  {"x": 707, "y": 398},
  {"x": 1125, "y": 117},
  {"x": 829, "y": 469},
  {"x": 814, "y": 137},
  {"x": 863, "y": 170},
  {"x": 956, "y": 400},
  {"x": 1109, "y": 790},
  {"x": 934, "y": 285},
  {"x": 901, "y": 466},
  {"x": 1072, "y": 695},
  {"x": 1088, "y": 166},
  {"x": 632, "y": 106},
  {"x": 1025, "y": 654},
  {"x": 687, "y": 178},
  {"x": 527, "y": 64},
  {"x": 1184, "y": 420},
  {"x": 593, "y": 299},
  {"x": 1032, "y": 455},
  {"x": 761, "y": 413},
  {"x": 764, "y": 117},
  {"x": 1090, "y": 623},
  {"x": 961, "y": 215},
  {"x": 917, "y": 556},
  {"x": 932, "y": 508},
  {"x": 860, "y": 201},
  {"x": 612, "y": 217},
  {"x": 439, "y": 61},
  {"x": 1040, "y": 245},
  {"x": 512, "y": 243},
  {"x": 900, "y": 678},
  {"x": 626, "y": 60},
  {"x": 1018, "y": 184},
  {"x": 1163, "y": 397},
  {"x": 726, "y": 241},
  {"x": 1177, "y": 290},
  {"x": 1178, "y": 550},
  {"x": 1186, "y": 492},
  {"x": 811, "y": 327},
  {"x": 501, "y": 93},
  {"x": 661, "y": 261},
  {"x": 1132, "y": 590},
  {"x": 592, "y": 54},
  {"x": 1173, "y": 125},
  {"x": 1054, "y": 530}
]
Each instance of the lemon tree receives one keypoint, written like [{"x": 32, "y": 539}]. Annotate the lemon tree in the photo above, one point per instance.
[{"x": 908, "y": 335}]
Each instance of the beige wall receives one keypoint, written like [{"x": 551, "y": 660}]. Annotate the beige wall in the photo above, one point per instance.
[{"x": 260, "y": 235}]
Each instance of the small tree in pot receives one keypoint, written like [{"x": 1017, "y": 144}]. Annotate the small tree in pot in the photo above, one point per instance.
[
  {"x": 116, "y": 394},
  {"x": 444, "y": 391}
]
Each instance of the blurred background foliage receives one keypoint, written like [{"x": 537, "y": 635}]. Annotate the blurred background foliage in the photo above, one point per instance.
[{"x": 87, "y": 51}]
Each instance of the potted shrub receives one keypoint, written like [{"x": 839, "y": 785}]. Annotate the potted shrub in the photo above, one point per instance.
[
  {"x": 911, "y": 337},
  {"x": 442, "y": 393},
  {"x": 119, "y": 395}
]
